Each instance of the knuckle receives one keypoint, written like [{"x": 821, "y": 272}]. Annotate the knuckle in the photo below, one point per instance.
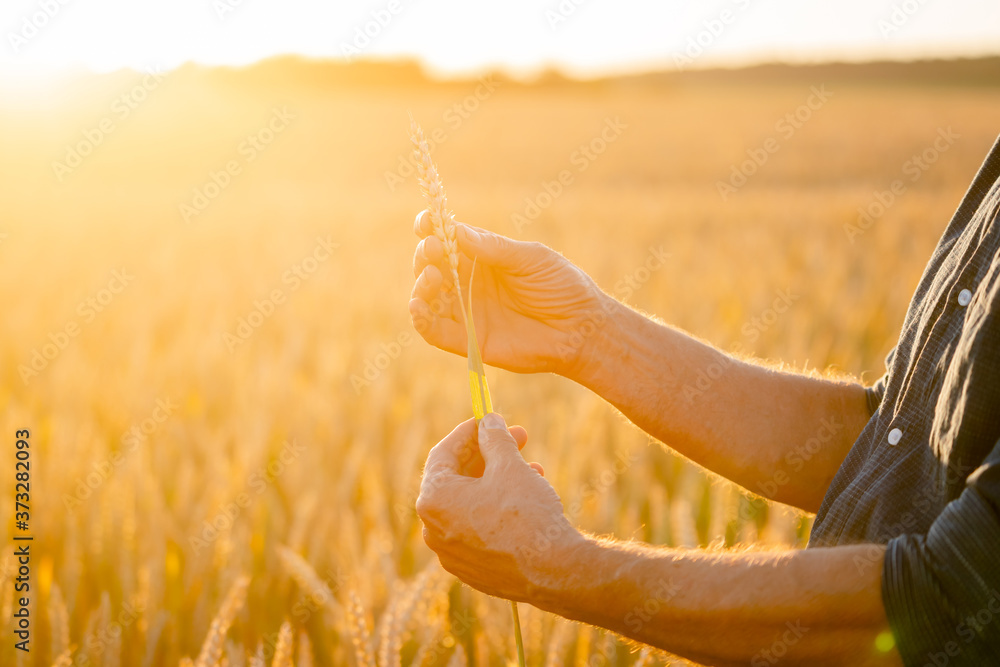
[
  {"x": 537, "y": 247},
  {"x": 424, "y": 507}
]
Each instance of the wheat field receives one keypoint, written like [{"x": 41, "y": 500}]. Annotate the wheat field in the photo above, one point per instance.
[{"x": 205, "y": 331}]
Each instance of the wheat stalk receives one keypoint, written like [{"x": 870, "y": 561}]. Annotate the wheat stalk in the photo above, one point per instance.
[
  {"x": 211, "y": 650},
  {"x": 58, "y": 621},
  {"x": 257, "y": 659},
  {"x": 458, "y": 658},
  {"x": 557, "y": 644},
  {"x": 65, "y": 659},
  {"x": 284, "y": 647},
  {"x": 443, "y": 225},
  {"x": 307, "y": 578},
  {"x": 305, "y": 650},
  {"x": 361, "y": 635}
]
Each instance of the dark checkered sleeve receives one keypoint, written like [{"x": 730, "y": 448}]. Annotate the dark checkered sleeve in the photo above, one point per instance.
[
  {"x": 923, "y": 477},
  {"x": 942, "y": 590}
]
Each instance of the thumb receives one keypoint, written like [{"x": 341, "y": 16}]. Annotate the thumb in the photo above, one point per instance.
[
  {"x": 496, "y": 444},
  {"x": 491, "y": 248}
]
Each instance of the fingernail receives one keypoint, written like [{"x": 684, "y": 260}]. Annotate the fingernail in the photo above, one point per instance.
[{"x": 493, "y": 420}]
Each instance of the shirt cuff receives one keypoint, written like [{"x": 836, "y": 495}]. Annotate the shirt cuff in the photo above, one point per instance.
[{"x": 940, "y": 591}]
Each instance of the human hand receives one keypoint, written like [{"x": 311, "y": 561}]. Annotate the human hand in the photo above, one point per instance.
[
  {"x": 530, "y": 303},
  {"x": 485, "y": 511}
]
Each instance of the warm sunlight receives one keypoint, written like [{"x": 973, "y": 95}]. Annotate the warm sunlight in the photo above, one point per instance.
[
  {"x": 581, "y": 36},
  {"x": 430, "y": 333}
]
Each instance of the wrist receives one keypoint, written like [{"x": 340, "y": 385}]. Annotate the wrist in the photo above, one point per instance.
[
  {"x": 573, "y": 575},
  {"x": 595, "y": 349}
]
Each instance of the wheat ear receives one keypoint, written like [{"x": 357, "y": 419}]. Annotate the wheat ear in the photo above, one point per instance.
[
  {"x": 307, "y": 578},
  {"x": 361, "y": 635},
  {"x": 257, "y": 659},
  {"x": 443, "y": 226},
  {"x": 284, "y": 647},
  {"x": 58, "y": 621},
  {"x": 211, "y": 650},
  {"x": 442, "y": 219}
]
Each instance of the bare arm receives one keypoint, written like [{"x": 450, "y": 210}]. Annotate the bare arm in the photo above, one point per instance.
[
  {"x": 781, "y": 435},
  {"x": 811, "y": 607},
  {"x": 499, "y": 526}
]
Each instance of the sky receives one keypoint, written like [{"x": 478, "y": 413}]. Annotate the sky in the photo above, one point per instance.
[{"x": 580, "y": 37}]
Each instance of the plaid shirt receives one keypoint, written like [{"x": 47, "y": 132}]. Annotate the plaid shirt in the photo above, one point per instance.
[{"x": 924, "y": 475}]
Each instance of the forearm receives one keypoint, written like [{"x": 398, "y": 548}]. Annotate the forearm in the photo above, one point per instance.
[
  {"x": 812, "y": 607},
  {"x": 781, "y": 435}
]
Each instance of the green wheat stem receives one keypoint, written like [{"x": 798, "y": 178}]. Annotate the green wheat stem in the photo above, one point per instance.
[
  {"x": 443, "y": 227},
  {"x": 482, "y": 406},
  {"x": 517, "y": 634}
]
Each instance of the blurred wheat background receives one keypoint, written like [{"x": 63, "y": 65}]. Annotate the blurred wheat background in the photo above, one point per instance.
[{"x": 169, "y": 460}]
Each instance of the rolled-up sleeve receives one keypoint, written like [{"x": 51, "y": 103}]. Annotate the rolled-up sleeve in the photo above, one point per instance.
[{"x": 942, "y": 590}]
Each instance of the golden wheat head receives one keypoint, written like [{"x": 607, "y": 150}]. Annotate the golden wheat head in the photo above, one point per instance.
[{"x": 442, "y": 219}]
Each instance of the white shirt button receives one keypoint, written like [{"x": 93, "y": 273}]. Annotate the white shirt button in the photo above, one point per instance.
[
  {"x": 895, "y": 435},
  {"x": 964, "y": 297}
]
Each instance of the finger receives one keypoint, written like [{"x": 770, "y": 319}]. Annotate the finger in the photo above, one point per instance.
[
  {"x": 449, "y": 455},
  {"x": 428, "y": 284},
  {"x": 477, "y": 465},
  {"x": 429, "y": 251},
  {"x": 537, "y": 467},
  {"x": 496, "y": 445},
  {"x": 438, "y": 328},
  {"x": 493, "y": 248},
  {"x": 422, "y": 224},
  {"x": 520, "y": 436}
]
